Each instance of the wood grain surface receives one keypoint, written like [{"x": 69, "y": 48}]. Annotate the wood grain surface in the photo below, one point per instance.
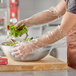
[{"x": 48, "y": 63}]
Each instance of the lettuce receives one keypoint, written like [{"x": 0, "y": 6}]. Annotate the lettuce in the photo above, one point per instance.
[{"x": 18, "y": 32}]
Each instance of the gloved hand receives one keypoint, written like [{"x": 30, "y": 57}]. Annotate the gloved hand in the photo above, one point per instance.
[
  {"x": 22, "y": 49},
  {"x": 25, "y": 22}
]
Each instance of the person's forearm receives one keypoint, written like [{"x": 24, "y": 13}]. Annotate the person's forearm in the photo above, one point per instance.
[
  {"x": 43, "y": 17},
  {"x": 47, "y": 16},
  {"x": 58, "y": 33}
]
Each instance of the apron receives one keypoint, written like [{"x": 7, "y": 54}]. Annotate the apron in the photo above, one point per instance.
[
  {"x": 71, "y": 46},
  {"x": 71, "y": 50}
]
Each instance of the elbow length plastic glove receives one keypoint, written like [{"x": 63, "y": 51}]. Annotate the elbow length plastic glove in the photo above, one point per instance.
[
  {"x": 40, "y": 18},
  {"x": 50, "y": 37}
]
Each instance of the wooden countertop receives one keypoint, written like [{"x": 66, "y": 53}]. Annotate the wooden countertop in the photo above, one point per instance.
[{"x": 48, "y": 63}]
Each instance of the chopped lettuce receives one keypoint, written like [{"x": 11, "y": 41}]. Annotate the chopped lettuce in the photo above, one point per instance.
[{"x": 18, "y": 32}]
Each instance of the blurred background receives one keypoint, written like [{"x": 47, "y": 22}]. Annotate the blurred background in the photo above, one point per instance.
[{"x": 12, "y": 11}]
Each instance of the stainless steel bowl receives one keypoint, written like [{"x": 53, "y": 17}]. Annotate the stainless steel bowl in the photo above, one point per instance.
[{"x": 33, "y": 56}]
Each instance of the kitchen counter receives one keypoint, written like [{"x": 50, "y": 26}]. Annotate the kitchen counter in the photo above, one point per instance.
[{"x": 70, "y": 72}]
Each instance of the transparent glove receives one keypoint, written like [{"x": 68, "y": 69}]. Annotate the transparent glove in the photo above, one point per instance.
[
  {"x": 41, "y": 17},
  {"x": 22, "y": 49},
  {"x": 22, "y": 22},
  {"x": 50, "y": 37}
]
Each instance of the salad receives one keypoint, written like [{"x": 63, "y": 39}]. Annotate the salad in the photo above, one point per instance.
[{"x": 17, "y": 32}]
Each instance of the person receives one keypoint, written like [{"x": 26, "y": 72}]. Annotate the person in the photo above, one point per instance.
[{"x": 65, "y": 8}]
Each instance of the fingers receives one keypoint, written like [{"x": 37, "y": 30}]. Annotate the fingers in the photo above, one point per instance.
[
  {"x": 15, "y": 53},
  {"x": 21, "y": 50},
  {"x": 19, "y": 53},
  {"x": 15, "y": 49},
  {"x": 19, "y": 23}
]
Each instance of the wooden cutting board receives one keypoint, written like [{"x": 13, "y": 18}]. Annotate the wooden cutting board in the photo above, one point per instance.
[{"x": 48, "y": 63}]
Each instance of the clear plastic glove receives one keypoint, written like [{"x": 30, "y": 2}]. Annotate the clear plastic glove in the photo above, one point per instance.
[
  {"x": 25, "y": 22},
  {"x": 22, "y": 49},
  {"x": 41, "y": 17}
]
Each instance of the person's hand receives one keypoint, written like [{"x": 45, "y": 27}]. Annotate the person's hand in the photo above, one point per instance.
[
  {"x": 22, "y": 49},
  {"x": 25, "y": 22}
]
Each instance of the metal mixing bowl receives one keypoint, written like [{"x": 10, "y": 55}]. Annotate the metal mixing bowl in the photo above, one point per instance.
[{"x": 33, "y": 56}]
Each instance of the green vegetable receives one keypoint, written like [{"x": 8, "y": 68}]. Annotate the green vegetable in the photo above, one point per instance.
[
  {"x": 28, "y": 39},
  {"x": 19, "y": 31},
  {"x": 12, "y": 43}
]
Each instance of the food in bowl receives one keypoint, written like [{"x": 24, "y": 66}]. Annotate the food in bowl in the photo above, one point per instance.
[
  {"x": 9, "y": 45},
  {"x": 33, "y": 56}
]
